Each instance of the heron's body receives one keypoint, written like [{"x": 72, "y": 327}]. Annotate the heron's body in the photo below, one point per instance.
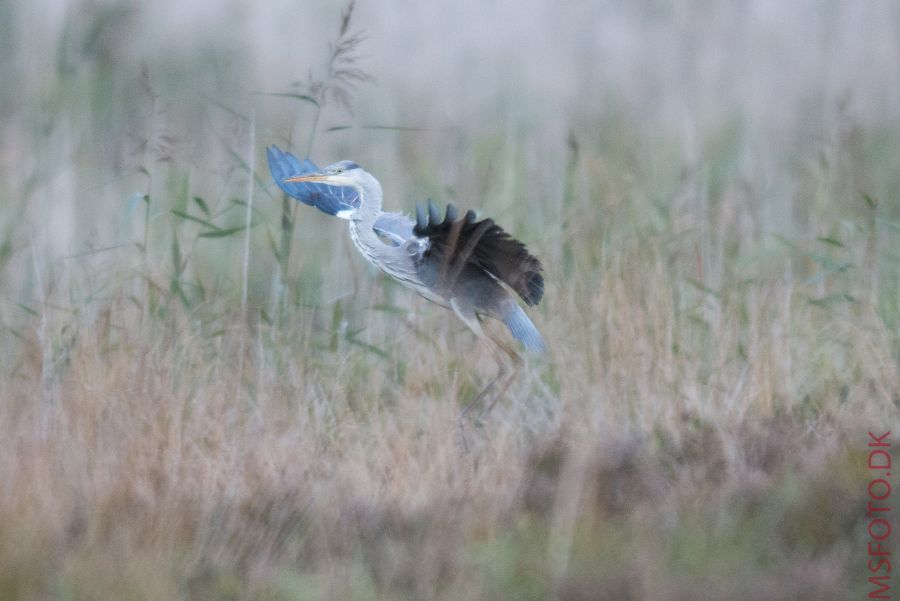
[{"x": 472, "y": 267}]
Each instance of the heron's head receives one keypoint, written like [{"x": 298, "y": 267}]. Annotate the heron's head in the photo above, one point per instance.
[{"x": 347, "y": 181}]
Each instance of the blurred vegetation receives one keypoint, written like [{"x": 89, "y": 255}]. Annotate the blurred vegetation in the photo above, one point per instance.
[{"x": 723, "y": 307}]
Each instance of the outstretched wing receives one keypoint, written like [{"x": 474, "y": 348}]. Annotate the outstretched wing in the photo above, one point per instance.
[
  {"x": 329, "y": 199},
  {"x": 454, "y": 243}
]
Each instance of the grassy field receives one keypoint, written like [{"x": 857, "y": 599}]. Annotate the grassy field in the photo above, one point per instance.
[{"x": 191, "y": 408}]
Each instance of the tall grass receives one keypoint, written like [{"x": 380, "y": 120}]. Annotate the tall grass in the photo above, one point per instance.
[{"x": 721, "y": 309}]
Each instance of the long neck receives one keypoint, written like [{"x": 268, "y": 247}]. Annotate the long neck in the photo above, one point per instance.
[
  {"x": 369, "y": 199},
  {"x": 363, "y": 218}
]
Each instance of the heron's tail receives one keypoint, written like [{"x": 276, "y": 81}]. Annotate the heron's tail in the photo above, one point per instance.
[{"x": 522, "y": 329}]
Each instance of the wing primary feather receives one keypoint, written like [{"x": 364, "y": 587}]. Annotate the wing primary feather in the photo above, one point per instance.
[
  {"x": 451, "y": 214},
  {"x": 421, "y": 219},
  {"x": 434, "y": 214}
]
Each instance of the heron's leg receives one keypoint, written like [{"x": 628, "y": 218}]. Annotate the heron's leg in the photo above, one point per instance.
[
  {"x": 516, "y": 360},
  {"x": 470, "y": 318},
  {"x": 487, "y": 391}
]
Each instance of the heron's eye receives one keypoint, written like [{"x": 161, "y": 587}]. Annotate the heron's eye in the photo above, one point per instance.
[{"x": 338, "y": 170}]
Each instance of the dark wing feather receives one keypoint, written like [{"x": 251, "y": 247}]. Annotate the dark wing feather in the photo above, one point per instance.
[{"x": 456, "y": 242}]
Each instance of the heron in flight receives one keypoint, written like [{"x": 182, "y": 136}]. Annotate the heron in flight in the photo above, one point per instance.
[{"x": 468, "y": 265}]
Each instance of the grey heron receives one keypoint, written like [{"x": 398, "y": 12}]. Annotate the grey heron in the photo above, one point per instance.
[{"x": 468, "y": 265}]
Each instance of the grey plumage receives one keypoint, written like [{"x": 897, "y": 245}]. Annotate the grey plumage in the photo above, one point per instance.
[{"x": 468, "y": 265}]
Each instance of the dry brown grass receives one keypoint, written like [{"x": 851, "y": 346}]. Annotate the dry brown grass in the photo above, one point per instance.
[{"x": 666, "y": 465}]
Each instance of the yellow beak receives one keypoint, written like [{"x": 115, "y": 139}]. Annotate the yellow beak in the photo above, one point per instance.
[{"x": 305, "y": 178}]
